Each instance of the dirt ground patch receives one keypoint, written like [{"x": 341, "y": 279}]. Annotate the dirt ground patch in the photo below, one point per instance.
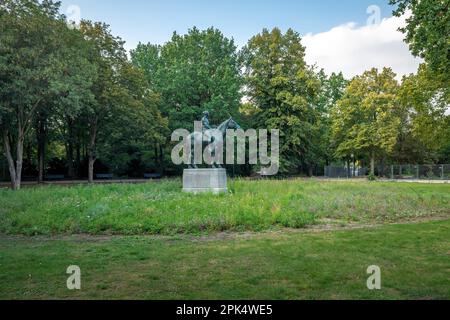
[{"x": 326, "y": 226}]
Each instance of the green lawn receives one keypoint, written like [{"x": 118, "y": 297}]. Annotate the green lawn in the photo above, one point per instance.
[
  {"x": 414, "y": 261},
  {"x": 161, "y": 208},
  {"x": 168, "y": 245}
]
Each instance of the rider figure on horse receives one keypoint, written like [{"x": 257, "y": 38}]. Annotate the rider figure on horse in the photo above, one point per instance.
[
  {"x": 209, "y": 136},
  {"x": 205, "y": 121}
]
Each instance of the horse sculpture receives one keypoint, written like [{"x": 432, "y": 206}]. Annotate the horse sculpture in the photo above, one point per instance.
[{"x": 210, "y": 139}]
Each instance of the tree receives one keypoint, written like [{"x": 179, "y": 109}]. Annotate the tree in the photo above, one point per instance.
[
  {"x": 366, "y": 119},
  {"x": 76, "y": 75},
  {"x": 425, "y": 104},
  {"x": 137, "y": 125},
  {"x": 427, "y": 31},
  {"x": 283, "y": 91},
  {"x": 147, "y": 57},
  {"x": 331, "y": 90},
  {"x": 29, "y": 74},
  {"x": 192, "y": 73},
  {"x": 124, "y": 109},
  {"x": 109, "y": 57}
]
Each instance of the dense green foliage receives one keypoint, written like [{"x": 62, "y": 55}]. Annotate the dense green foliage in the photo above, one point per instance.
[
  {"x": 289, "y": 265},
  {"x": 162, "y": 208},
  {"x": 195, "y": 72},
  {"x": 427, "y": 31},
  {"x": 366, "y": 118},
  {"x": 72, "y": 102},
  {"x": 74, "y": 86},
  {"x": 43, "y": 65},
  {"x": 425, "y": 102},
  {"x": 283, "y": 91},
  {"x": 331, "y": 91}
]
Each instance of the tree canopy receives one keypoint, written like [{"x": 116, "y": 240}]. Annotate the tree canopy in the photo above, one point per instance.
[
  {"x": 366, "y": 119},
  {"x": 427, "y": 31},
  {"x": 194, "y": 72},
  {"x": 283, "y": 90},
  {"x": 73, "y": 102}
]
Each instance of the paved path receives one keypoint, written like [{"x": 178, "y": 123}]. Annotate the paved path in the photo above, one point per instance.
[
  {"x": 390, "y": 180},
  {"x": 422, "y": 181}
]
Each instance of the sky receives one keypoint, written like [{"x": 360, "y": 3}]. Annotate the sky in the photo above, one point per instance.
[{"x": 346, "y": 35}]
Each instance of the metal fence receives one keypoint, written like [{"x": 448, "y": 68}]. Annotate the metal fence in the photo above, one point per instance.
[
  {"x": 344, "y": 172},
  {"x": 398, "y": 172},
  {"x": 421, "y": 172}
]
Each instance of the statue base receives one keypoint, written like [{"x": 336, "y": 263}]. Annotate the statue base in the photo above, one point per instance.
[{"x": 205, "y": 180}]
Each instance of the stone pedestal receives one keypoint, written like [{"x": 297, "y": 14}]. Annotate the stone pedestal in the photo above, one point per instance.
[{"x": 205, "y": 180}]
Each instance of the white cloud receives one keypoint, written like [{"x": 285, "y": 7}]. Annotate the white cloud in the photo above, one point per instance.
[{"x": 354, "y": 49}]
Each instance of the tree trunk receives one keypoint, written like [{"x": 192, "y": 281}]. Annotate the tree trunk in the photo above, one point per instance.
[
  {"x": 19, "y": 161},
  {"x": 91, "y": 169},
  {"x": 15, "y": 169},
  {"x": 156, "y": 148},
  {"x": 78, "y": 155},
  {"x": 92, "y": 156},
  {"x": 161, "y": 159},
  {"x": 28, "y": 150},
  {"x": 70, "y": 166},
  {"x": 310, "y": 171},
  {"x": 349, "y": 172},
  {"x": 8, "y": 154},
  {"x": 41, "y": 156},
  {"x": 69, "y": 150},
  {"x": 372, "y": 163},
  {"x": 41, "y": 137}
]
